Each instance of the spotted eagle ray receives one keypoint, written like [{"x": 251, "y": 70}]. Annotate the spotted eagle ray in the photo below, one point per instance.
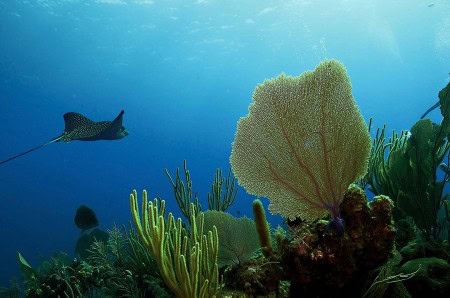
[{"x": 79, "y": 127}]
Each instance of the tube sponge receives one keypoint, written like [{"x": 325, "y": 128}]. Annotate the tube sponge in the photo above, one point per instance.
[
  {"x": 303, "y": 142},
  {"x": 262, "y": 227}
]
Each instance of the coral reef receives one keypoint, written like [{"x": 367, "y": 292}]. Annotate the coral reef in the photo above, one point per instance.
[
  {"x": 419, "y": 248},
  {"x": 256, "y": 278},
  {"x": 120, "y": 267},
  {"x": 292, "y": 147},
  {"x": 188, "y": 265},
  {"x": 432, "y": 276},
  {"x": 406, "y": 231},
  {"x": 321, "y": 262},
  {"x": 60, "y": 277},
  {"x": 86, "y": 240},
  {"x": 408, "y": 175}
]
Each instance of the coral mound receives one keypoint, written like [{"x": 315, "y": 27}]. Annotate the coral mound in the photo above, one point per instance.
[{"x": 318, "y": 259}]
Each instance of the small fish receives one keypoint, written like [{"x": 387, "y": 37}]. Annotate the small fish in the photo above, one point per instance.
[
  {"x": 238, "y": 212},
  {"x": 435, "y": 106},
  {"x": 78, "y": 127},
  {"x": 430, "y": 5}
]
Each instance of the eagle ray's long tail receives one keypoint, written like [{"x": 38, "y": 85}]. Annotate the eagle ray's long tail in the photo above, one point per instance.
[
  {"x": 35, "y": 148},
  {"x": 435, "y": 106}
]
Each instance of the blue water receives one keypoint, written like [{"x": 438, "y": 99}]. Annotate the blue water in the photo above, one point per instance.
[{"x": 184, "y": 72}]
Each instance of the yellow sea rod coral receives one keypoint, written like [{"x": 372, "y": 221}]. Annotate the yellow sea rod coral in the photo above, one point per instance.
[
  {"x": 303, "y": 142},
  {"x": 188, "y": 265}
]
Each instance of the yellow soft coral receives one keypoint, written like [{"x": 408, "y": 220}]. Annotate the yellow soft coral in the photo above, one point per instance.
[
  {"x": 303, "y": 142},
  {"x": 188, "y": 266}
]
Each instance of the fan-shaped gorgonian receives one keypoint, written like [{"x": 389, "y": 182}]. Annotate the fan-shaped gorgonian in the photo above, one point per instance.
[{"x": 303, "y": 142}]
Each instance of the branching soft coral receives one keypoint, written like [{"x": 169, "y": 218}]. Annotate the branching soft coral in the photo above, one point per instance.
[
  {"x": 187, "y": 265},
  {"x": 303, "y": 142}
]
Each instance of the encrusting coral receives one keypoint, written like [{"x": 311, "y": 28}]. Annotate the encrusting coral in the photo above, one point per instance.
[
  {"x": 303, "y": 142},
  {"x": 319, "y": 262}
]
